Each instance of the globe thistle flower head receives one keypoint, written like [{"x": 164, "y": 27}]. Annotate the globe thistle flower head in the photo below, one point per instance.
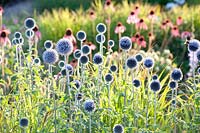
[
  {"x": 155, "y": 77},
  {"x": 64, "y": 47},
  {"x": 23, "y": 122},
  {"x": 50, "y": 56},
  {"x": 111, "y": 43},
  {"x": 101, "y": 28},
  {"x": 148, "y": 63},
  {"x": 131, "y": 63},
  {"x": 37, "y": 61},
  {"x": 86, "y": 49},
  {"x": 29, "y": 23},
  {"x": 17, "y": 35},
  {"x": 81, "y": 35},
  {"x": 63, "y": 72},
  {"x": 118, "y": 128},
  {"x": 193, "y": 45},
  {"x": 198, "y": 55},
  {"x": 20, "y": 40},
  {"x": 100, "y": 38},
  {"x": 61, "y": 64},
  {"x": 14, "y": 41},
  {"x": 155, "y": 85},
  {"x": 98, "y": 59},
  {"x": 69, "y": 69},
  {"x": 89, "y": 106},
  {"x": 84, "y": 59},
  {"x": 136, "y": 83},
  {"x": 48, "y": 44},
  {"x": 77, "y": 84},
  {"x": 77, "y": 53},
  {"x": 176, "y": 74},
  {"x": 198, "y": 70},
  {"x": 173, "y": 85},
  {"x": 173, "y": 101},
  {"x": 139, "y": 58},
  {"x": 125, "y": 43},
  {"x": 29, "y": 33},
  {"x": 113, "y": 68},
  {"x": 108, "y": 78},
  {"x": 79, "y": 96}
]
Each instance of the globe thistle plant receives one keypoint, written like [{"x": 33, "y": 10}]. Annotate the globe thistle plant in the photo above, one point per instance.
[
  {"x": 77, "y": 84},
  {"x": 148, "y": 63},
  {"x": 79, "y": 96},
  {"x": 125, "y": 43},
  {"x": 61, "y": 64},
  {"x": 98, "y": 59},
  {"x": 101, "y": 28},
  {"x": 193, "y": 45},
  {"x": 173, "y": 85},
  {"x": 77, "y": 53},
  {"x": 50, "y": 56},
  {"x": 108, "y": 78},
  {"x": 136, "y": 83},
  {"x": 155, "y": 86},
  {"x": 81, "y": 35},
  {"x": 155, "y": 77},
  {"x": 131, "y": 63},
  {"x": 29, "y": 23},
  {"x": 37, "y": 61},
  {"x": 118, "y": 128},
  {"x": 48, "y": 44},
  {"x": 64, "y": 47},
  {"x": 86, "y": 49},
  {"x": 113, "y": 68},
  {"x": 176, "y": 74},
  {"x": 139, "y": 58},
  {"x": 198, "y": 55},
  {"x": 84, "y": 59},
  {"x": 17, "y": 35},
  {"x": 111, "y": 43},
  {"x": 29, "y": 33},
  {"x": 23, "y": 122}
]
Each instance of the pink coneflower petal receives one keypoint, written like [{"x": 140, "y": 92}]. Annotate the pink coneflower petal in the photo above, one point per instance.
[
  {"x": 120, "y": 28},
  {"x": 141, "y": 25},
  {"x": 175, "y": 31},
  {"x": 179, "y": 20},
  {"x": 132, "y": 18},
  {"x": 1, "y": 10},
  {"x": 185, "y": 35}
]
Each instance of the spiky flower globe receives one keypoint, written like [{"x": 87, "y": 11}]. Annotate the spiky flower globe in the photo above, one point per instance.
[
  {"x": 79, "y": 96},
  {"x": 198, "y": 55},
  {"x": 48, "y": 44},
  {"x": 98, "y": 59},
  {"x": 101, "y": 28},
  {"x": 173, "y": 84},
  {"x": 155, "y": 77},
  {"x": 77, "y": 84},
  {"x": 155, "y": 85},
  {"x": 136, "y": 83},
  {"x": 139, "y": 57},
  {"x": 17, "y": 35},
  {"x": 111, "y": 43},
  {"x": 89, "y": 105},
  {"x": 198, "y": 70},
  {"x": 29, "y": 23},
  {"x": 173, "y": 101},
  {"x": 61, "y": 64},
  {"x": 69, "y": 69},
  {"x": 108, "y": 78},
  {"x": 100, "y": 38},
  {"x": 86, "y": 49},
  {"x": 84, "y": 59},
  {"x": 148, "y": 63},
  {"x": 176, "y": 74},
  {"x": 81, "y": 35},
  {"x": 125, "y": 43},
  {"x": 113, "y": 68},
  {"x": 50, "y": 56},
  {"x": 118, "y": 128},
  {"x": 77, "y": 53},
  {"x": 193, "y": 45},
  {"x": 37, "y": 61},
  {"x": 29, "y": 33},
  {"x": 131, "y": 63},
  {"x": 64, "y": 47},
  {"x": 23, "y": 122}
]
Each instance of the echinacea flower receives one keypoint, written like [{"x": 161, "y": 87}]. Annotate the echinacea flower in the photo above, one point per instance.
[
  {"x": 185, "y": 35},
  {"x": 1, "y": 10},
  {"x": 48, "y": 44},
  {"x": 85, "y": 49},
  {"x": 108, "y": 78},
  {"x": 23, "y": 122},
  {"x": 73, "y": 63},
  {"x": 98, "y": 59},
  {"x": 50, "y": 56},
  {"x": 193, "y": 45},
  {"x": 91, "y": 45},
  {"x": 135, "y": 38},
  {"x": 108, "y": 6},
  {"x": 132, "y": 18},
  {"x": 64, "y": 47},
  {"x": 155, "y": 85},
  {"x": 137, "y": 10},
  {"x": 120, "y": 28},
  {"x": 4, "y": 40},
  {"x": 176, "y": 74},
  {"x": 141, "y": 42},
  {"x": 173, "y": 85},
  {"x": 29, "y": 23},
  {"x": 69, "y": 35},
  {"x": 101, "y": 28},
  {"x": 152, "y": 15},
  {"x": 141, "y": 25},
  {"x": 81, "y": 35},
  {"x": 131, "y": 63},
  {"x": 89, "y": 106},
  {"x": 37, "y": 33},
  {"x": 179, "y": 21},
  {"x": 175, "y": 31},
  {"x": 125, "y": 43},
  {"x": 84, "y": 59},
  {"x": 136, "y": 83},
  {"x": 149, "y": 62},
  {"x": 77, "y": 53},
  {"x": 113, "y": 68},
  {"x": 118, "y": 128},
  {"x": 92, "y": 15}
]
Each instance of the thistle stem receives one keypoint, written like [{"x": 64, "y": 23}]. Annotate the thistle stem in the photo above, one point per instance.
[
  {"x": 194, "y": 82},
  {"x": 90, "y": 123},
  {"x": 155, "y": 111}
]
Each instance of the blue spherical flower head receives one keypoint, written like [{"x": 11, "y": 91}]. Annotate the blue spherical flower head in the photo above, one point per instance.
[
  {"x": 139, "y": 58},
  {"x": 155, "y": 85},
  {"x": 155, "y": 77},
  {"x": 111, "y": 43},
  {"x": 86, "y": 49},
  {"x": 176, "y": 74},
  {"x": 198, "y": 70},
  {"x": 113, "y": 68},
  {"x": 77, "y": 84},
  {"x": 173, "y": 101},
  {"x": 79, "y": 96},
  {"x": 198, "y": 55},
  {"x": 84, "y": 59},
  {"x": 50, "y": 56},
  {"x": 118, "y": 128},
  {"x": 69, "y": 69},
  {"x": 98, "y": 59},
  {"x": 100, "y": 38},
  {"x": 14, "y": 41},
  {"x": 136, "y": 83},
  {"x": 173, "y": 85},
  {"x": 48, "y": 44},
  {"x": 101, "y": 28},
  {"x": 21, "y": 40},
  {"x": 29, "y": 23},
  {"x": 77, "y": 54},
  {"x": 17, "y": 35},
  {"x": 125, "y": 43},
  {"x": 108, "y": 78},
  {"x": 64, "y": 47},
  {"x": 193, "y": 45},
  {"x": 131, "y": 63},
  {"x": 81, "y": 35},
  {"x": 148, "y": 63},
  {"x": 37, "y": 61},
  {"x": 29, "y": 33},
  {"x": 89, "y": 106},
  {"x": 61, "y": 64},
  {"x": 23, "y": 122}
]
